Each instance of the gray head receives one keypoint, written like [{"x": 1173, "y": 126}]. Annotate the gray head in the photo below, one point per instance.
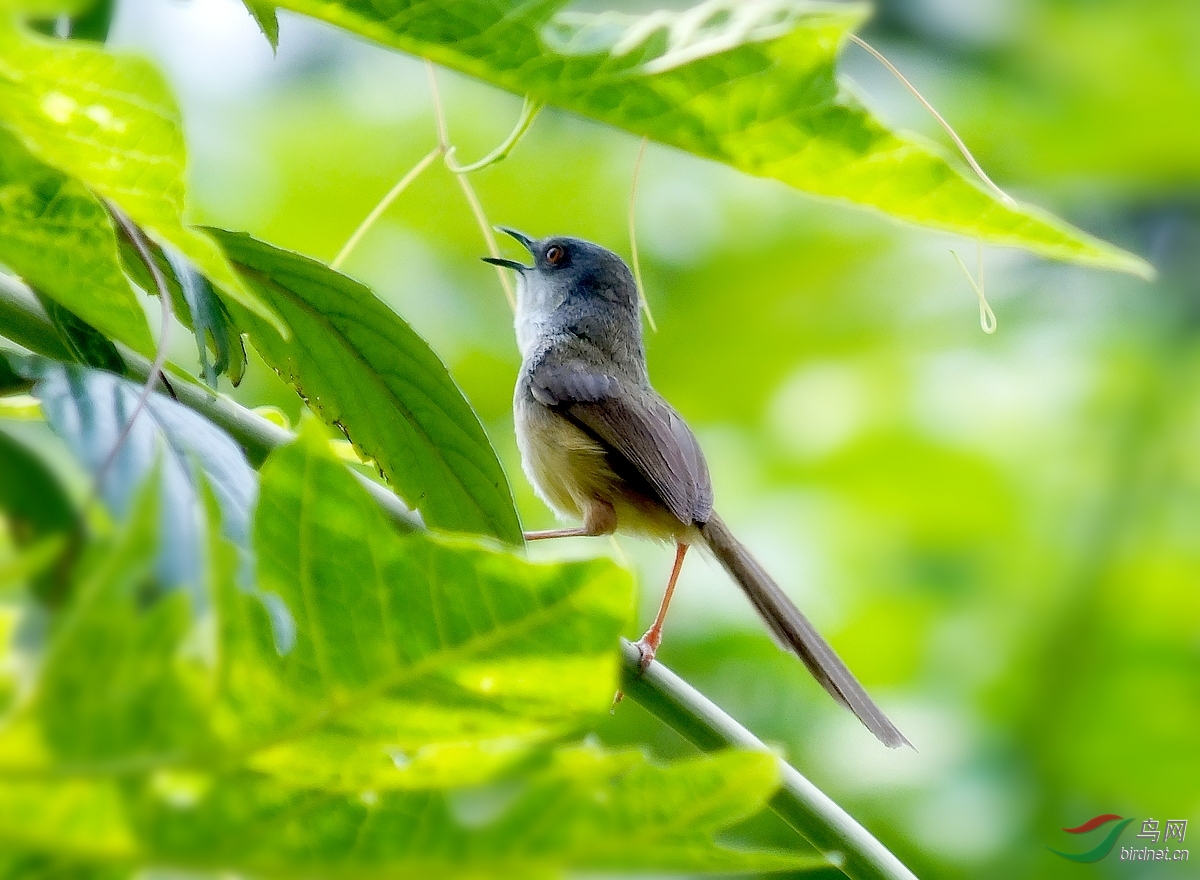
[{"x": 573, "y": 284}]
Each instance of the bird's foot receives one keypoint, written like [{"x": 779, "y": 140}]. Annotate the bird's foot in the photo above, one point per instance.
[{"x": 647, "y": 646}]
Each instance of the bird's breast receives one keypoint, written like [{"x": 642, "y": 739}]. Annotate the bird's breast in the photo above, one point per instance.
[{"x": 566, "y": 466}]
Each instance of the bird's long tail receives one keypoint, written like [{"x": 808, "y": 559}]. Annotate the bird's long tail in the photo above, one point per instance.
[{"x": 793, "y": 629}]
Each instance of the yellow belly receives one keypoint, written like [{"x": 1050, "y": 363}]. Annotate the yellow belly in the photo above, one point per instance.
[{"x": 569, "y": 470}]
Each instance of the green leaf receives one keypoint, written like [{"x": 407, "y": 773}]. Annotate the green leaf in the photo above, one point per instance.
[
  {"x": 362, "y": 368},
  {"x": 89, "y": 409},
  {"x": 138, "y": 751},
  {"x": 88, "y": 345},
  {"x": 266, "y": 18},
  {"x": 110, "y": 122},
  {"x": 209, "y": 321},
  {"x": 196, "y": 305},
  {"x": 418, "y": 660},
  {"x": 58, "y": 237},
  {"x": 112, "y": 682},
  {"x": 587, "y": 810},
  {"x": 754, "y": 87},
  {"x": 31, "y": 497}
]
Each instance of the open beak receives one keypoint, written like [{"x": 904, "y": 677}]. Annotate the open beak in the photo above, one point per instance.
[
  {"x": 507, "y": 264},
  {"x": 525, "y": 240}
]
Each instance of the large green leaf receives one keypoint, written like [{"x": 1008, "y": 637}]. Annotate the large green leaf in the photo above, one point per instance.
[
  {"x": 362, "y": 368},
  {"x": 753, "y": 85},
  {"x": 57, "y": 236},
  {"x": 112, "y": 682},
  {"x": 141, "y": 747},
  {"x": 586, "y": 810},
  {"x": 110, "y": 122},
  {"x": 417, "y": 659}
]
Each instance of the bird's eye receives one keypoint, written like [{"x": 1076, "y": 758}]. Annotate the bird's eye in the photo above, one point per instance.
[{"x": 555, "y": 254}]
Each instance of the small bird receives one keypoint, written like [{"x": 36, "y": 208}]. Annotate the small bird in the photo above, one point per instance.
[{"x": 602, "y": 447}]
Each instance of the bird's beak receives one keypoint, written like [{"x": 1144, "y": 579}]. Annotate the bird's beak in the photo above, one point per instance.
[
  {"x": 507, "y": 264},
  {"x": 525, "y": 240}
]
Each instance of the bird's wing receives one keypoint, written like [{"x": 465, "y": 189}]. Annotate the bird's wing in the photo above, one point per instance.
[{"x": 637, "y": 425}]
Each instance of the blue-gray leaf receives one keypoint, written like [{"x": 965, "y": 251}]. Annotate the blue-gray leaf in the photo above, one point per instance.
[{"x": 89, "y": 409}]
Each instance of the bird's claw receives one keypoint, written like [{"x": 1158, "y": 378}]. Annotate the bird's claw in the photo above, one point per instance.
[{"x": 647, "y": 650}]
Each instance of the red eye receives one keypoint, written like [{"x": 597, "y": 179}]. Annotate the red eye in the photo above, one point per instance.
[{"x": 555, "y": 254}]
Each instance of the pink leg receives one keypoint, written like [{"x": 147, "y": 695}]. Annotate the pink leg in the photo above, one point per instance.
[
  {"x": 598, "y": 519},
  {"x": 648, "y": 644},
  {"x": 579, "y": 532}
]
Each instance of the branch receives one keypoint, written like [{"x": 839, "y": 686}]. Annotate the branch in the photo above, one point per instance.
[{"x": 798, "y": 802}]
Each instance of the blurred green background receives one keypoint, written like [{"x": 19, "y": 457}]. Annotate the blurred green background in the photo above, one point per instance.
[{"x": 1000, "y": 534}]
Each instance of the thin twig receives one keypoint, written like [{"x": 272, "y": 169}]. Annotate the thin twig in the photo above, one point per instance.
[
  {"x": 987, "y": 318},
  {"x": 958, "y": 142},
  {"x": 160, "y": 355},
  {"x": 633, "y": 245},
  {"x": 384, "y": 204},
  {"x": 468, "y": 191},
  {"x": 486, "y": 228},
  {"x": 439, "y": 113},
  {"x": 529, "y": 112}
]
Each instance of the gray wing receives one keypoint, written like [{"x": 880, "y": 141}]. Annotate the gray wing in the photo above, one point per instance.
[{"x": 637, "y": 425}]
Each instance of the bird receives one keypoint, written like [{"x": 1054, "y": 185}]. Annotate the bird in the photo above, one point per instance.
[{"x": 603, "y": 448}]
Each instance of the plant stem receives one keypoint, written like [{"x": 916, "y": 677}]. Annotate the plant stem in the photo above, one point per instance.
[
  {"x": 664, "y": 694},
  {"x": 798, "y": 802}
]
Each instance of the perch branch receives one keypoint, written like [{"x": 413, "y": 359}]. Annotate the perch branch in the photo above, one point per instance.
[{"x": 798, "y": 802}]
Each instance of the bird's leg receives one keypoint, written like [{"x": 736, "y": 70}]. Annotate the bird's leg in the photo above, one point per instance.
[
  {"x": 599, "y": 518},
  {"x": 579, "y": 532},
  {"x": 648, "y": 644}
]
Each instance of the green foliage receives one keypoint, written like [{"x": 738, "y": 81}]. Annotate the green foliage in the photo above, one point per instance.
[
  {"x": 424, "y": 672},
  {"x": 195, "y": 304},
  {"x": 363, "y": 369},
  {"x": 333, "y": 699},
  {"x": 756, "y": 89},
  {"x": 44, "y": 214},
  {"x": 90, "y": 409},
  {"x": 110, "y": 123},
  {"x": 30, "y": 495},
  {"x": 266, "y": 18}
]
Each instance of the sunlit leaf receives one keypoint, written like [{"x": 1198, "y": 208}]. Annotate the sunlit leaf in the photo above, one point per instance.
[
  {"x": 111, "y": 684},
  {"x": 587, "y": 810},
  {"x": 362, "y": 368},
  {"x": 110, "y": 122},
  {"x": 750, "y": 84},
  {"x": 58, "y": 237},
  {"x": 417, "y": 660}
]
